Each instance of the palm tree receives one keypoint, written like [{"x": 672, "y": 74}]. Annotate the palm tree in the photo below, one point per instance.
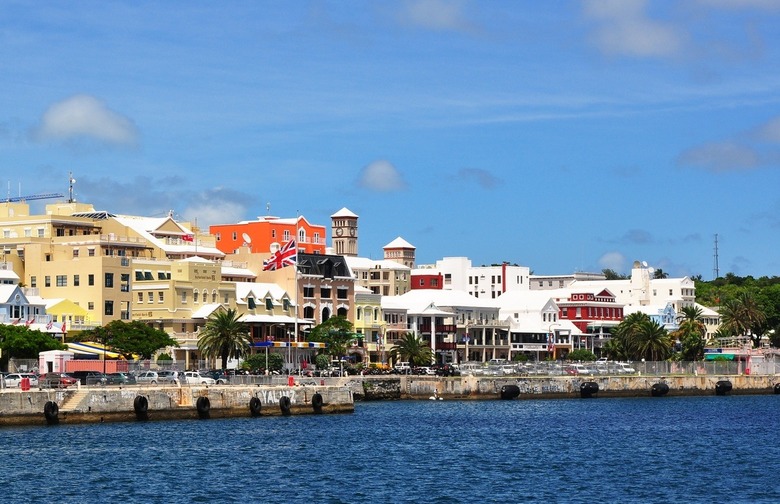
[
  {"x": 224, "y": 336},
  {"x": 651, "y": 341},
  {"x": 691, "y": 333},
  {"x": 743, "y": 316},
  {"x": 413, "y": 349}
]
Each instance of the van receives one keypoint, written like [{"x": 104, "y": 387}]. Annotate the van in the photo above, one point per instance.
[{"x": 402, "y": 367}]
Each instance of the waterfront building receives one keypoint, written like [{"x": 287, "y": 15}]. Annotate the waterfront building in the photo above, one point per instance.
[
  {"x": 458, "y": 273},
  {"x": 369, "y": 326},
  {"x": 259, "y": 235},
  {"x": 548, "y": 282},
  {"x": 383, "y": 277},
  {"x": 456, "y": 325}
]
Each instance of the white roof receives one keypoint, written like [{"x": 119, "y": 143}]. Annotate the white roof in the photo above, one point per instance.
[
  {"x": 399, "y": 243},
  {"x": 259, "y": 289},
  {"x": 344, "y": 212},
  {"x": 146, "y": 226},
  {"x": 419, "y": 300},
  {"x": 363, "y": 263},
  {"x": 8, "y": 274},
  {"x": 237, "y": 272},
  {"x": 205, "y": 311}
]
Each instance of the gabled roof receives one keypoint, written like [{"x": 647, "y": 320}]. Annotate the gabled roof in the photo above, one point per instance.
[
  {"x": 205, "y": 311},
  {"x": 325, "y": 265},
  {"x": 399, "y": 243},
  {"x": 364, "y": 263},
  {"x": 153, "y": 228}
]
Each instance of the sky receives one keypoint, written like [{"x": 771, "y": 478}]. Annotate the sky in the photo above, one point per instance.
[{"x": 563, "y": 136}]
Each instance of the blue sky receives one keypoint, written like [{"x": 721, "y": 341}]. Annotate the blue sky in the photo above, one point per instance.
[{"x": 559, "y": 135}]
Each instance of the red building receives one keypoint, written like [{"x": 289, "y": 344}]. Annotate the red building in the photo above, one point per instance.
[{"x": 259, "y": 234}]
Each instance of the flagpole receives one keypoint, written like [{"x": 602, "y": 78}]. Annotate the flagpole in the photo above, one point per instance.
[{"x": 295, "y": 274}]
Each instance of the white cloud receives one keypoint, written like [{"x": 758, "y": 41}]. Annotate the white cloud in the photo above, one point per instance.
[
  {"x": 438, "y": 15},
  {"x": 206, "y": 214},
  {"x": 623, "y": 28},
  {"x": 613, "y": 260},
  {"x": 770, "y": 131},
  {"x": 381, "y": 176},
  {"x": 721, "y": 157},
  {"x": 84, "y": 116}
]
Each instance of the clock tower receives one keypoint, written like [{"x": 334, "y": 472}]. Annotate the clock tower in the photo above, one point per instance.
[{"x": 345, "y": 232}]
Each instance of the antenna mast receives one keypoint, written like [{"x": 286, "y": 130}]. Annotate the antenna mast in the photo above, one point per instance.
[
  {"x": 716, "y": 270},
  {"x": 71, "y": 181}
]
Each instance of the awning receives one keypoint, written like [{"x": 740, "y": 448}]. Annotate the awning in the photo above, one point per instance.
[
  {"x": 272, "y": 319},
  {"x": 90, "y": 348},
  {"x": 293, "y": 344},
  {"x": 718, "y": 356}
]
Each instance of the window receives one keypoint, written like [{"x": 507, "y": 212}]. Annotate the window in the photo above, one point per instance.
[
  {"x": 91, "y": 252},
  {"x": 286, "y": 304},
  {"x": 269, "y": 304},
  {"x": 139, "y": 275},
  {"x": 33, "y": 281},
  {"x": 341, "y": 293},
  {"x": 61, "y": 280},
  {"x": 109, "y": 308},
  {"x": 41, "y": 232},
  {"x": 75, "y": 252},
  {"x": 195, "y": 297},
  {"x": 109, "y": 281},
  {"x": 140, "y": 297},
  {"x": 160, "y": 297},
  {"x": 251, "y": 303},
  {"x": 184, "y": 297},
  {"x": 308, "y": 292},
  {"x": 90, "y": 305},
  {"x": 90, "y": 279},
  {"x": 218, "y": 236},
  {"x": 150, "y": 297},
  {"x": 324, "y": 292},
  {"x": 235, "y": 236},
  {"x": 76, "y": 281},
  {"x": 47, "y": 281}
]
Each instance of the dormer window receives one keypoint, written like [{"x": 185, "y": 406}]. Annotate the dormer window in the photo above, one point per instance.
[{"x": 251, "y": 303}]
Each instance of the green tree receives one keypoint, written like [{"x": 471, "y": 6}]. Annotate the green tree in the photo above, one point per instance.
[
  {"x": 413, "y": 349},
  {"x": 224, "y": 336},
  {"x": 581, "y": 354},
  {"x": 336, "y": 333},
  {"x": 642, "y": 338},
  {"x": 691, "y": 333},
  {"x": 743, "y": 316},
  {"x": 610, "y": 274},
  {"x": 257, "y": 362},
  {"x": 22, "y": 343},
  {"x": 129, "y": 338}
]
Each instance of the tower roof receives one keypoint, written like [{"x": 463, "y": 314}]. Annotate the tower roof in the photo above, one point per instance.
[{"x": 345, "y": 212}]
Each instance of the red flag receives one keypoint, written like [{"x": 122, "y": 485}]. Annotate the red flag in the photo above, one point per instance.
[
  {"x": 188, "y": 238},
  {"x": 63, "y": 326},
  {"x": 285, "y": 256},
  {"x": 30, "y": 321}
]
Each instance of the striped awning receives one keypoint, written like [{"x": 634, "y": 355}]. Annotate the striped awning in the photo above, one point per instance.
[
  {"x": 90, "y": 348},
  {"x": 291, "y": 344}
]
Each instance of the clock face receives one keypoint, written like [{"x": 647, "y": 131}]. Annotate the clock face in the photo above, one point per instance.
[
  {"x": 339, "y": 231},
  {"x": 352, "y": 231}
]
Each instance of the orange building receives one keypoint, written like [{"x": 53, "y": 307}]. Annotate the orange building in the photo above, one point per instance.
[{"x": 259, "y": 234}]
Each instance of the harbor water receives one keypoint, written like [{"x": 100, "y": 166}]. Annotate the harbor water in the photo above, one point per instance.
[{"x": 670, "y": 449}]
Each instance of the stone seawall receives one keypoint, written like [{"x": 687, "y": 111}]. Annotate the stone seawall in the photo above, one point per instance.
[
  {"x": 559, "y": 387},
  {"x": 118, "y": 404}
]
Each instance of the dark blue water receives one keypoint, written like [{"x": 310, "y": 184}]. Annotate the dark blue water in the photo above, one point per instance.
[{"x": 705, "y": 449}]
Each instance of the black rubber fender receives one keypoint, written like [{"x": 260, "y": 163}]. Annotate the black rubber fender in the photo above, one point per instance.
[
  {"x": 254, "y": 407},
  {"x": 316, "y": 402},
  {"x": 52, "y": 413},
  {"x": 284, "y": 405},
  {"x": 777, "y": 388},
  {"x": 203, "y": 405},
  {"x": 659, "y": 389},
  {"x": 510, "y": 391},
  {"x": 723, "y": 387},
  {"x": 587, "y": 389},
  {"x": 141, "y": 407}
]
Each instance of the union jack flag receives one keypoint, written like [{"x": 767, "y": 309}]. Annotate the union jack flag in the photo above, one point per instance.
[
  {"x": 550, "y": 342},
  {"x": 285, "y": 256}
]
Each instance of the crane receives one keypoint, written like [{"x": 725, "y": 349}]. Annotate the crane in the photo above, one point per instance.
[{"x": 35, "y": 197}]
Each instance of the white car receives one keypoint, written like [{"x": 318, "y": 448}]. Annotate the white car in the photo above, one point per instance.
[
  {"x": 193, "y": 377},
  {"x": 15, "y": 379}
]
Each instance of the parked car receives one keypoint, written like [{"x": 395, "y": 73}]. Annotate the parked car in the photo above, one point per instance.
[
  {"x": 90, "y": 377},
  {"x": 148, "y": 377},
  {"x": 120, "y": 379},
  {"x": 56, "y": 380},
  {"x": 15, "y": 379},
  {"x": 193, "y": 377},
  {"x": 168, "y": 376}
]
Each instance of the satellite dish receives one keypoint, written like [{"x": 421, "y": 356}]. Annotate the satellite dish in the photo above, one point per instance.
[
  {"x": 246, "y": 238},
  {"x": 644, "y": 263},
  {"x": 651, "y": 270}
]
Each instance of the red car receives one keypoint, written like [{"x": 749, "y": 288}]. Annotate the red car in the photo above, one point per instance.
[{"x": 56, "y": 380}]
